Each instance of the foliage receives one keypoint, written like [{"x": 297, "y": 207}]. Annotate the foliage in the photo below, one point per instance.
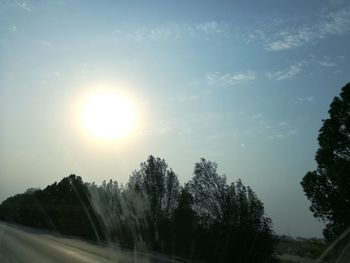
[
  {"x": 328, "y": 187},
  {"x": 311, "y": 248},
  {"x": 231, "y": 218},
  {"x": 207, "y": 220},
  {"x": 62, "y": 206},
  {"x": 160, "y": 188},
  {"x": 158, "y": 185},
  {"x": 122, "y": 213}
]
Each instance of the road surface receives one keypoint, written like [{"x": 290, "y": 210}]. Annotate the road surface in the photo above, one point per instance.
[{"x": 20, "y": 244}]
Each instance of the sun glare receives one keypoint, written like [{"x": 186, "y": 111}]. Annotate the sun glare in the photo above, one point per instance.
[{"x": 108, "y": 115}]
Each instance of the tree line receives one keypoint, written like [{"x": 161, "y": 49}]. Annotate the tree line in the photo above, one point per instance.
[{"x": 206, "y": 219}]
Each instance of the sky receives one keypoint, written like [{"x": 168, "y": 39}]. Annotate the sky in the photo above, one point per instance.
[{"x": 243, "y": 83}]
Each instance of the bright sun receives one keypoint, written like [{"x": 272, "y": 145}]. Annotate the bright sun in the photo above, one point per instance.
[{"x": 108, "y": 115}]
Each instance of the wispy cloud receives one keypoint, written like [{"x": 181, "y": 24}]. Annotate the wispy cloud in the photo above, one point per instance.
[
  {"x": 283, "y": 123},
  {"x": 229, "y": 79},
  {"x": 304, "y": 99},
  {"x": 257, "y": 116},
  {"x": 291, "y": 38},
  {"x": 187, "y": 98},
  {"x": 327, "y": 62},
  {"x": 333, "y": 23},
  {"x": 185, "y": 131},
  {"x": 165, "y": 129},
  {"x": 46, "y": 44},
  {"x": 159, "y": 127},
  {"x": 22, "y": 5},
  {"x": 50, "y": 78},
  {"x": 284, "y": 135},
  {"x": 258, "y": 125},
  {"x": 172, "y": 31},
  {"x": 211, "y": 27},
  {"x": 12, "y": 28},
  {"x": 57, "y": 74},
  {"x": 287, "y": 73},
  {"x": 263, "y": 126}
]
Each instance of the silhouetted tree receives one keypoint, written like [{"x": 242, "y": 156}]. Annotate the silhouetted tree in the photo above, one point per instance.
[
  {"x": 208, "y": 191},
  {"x": 232, "y": 224},
  {"x": 185, "y": 224},
  {"x": 328, "y": 187},
  {"x": 160, "y": 188},
  {"x": 123, "y": 213},
  {"x": 105, "y": 200},
  {"x": 62, "y": 206}
]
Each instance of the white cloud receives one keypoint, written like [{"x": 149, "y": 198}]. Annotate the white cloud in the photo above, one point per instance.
[
  {"x": 291, "y": 38},
  {"x": 22, "y": 5},
  {"x": 283, "y": 123},
  {"x": 334, "y": 23},
  {"x": 211, "y": 28},
  {"x": 46, "y": 44},
  {"x": 229, "y": 79},
  {"x": 287, "y": 73},
  {"x": 213, "y": 137},
  {"x": 159, "y": 127},
  {"x": 287, "y": 134},
  {"x": 188, "y": 98},
  {"x": 172, "y": 31},
  {"x": 165, "y": 129},
  {"x": 305, "y": 99},
  {"x": 12, "y": 28},
  {"x": 185, "y": 131},
  {"x": 327, "y": 62},
  {"x": 258, "y": 125},
  {"x": 257, "y": 116},
  {"x": 57, "y": 74}
]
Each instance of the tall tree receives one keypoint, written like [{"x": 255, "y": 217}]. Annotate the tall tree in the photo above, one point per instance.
[
  {"x": 184, "y": 226},
  {"x": 208, "y": 190},
  {"x": 328, "y": 187},
  {"x": 160, "y": 187},
  {"x": 231, "y": 219}
]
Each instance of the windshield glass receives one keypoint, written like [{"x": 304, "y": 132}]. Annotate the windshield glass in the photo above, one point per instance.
[{"x": 196, "y": 131}]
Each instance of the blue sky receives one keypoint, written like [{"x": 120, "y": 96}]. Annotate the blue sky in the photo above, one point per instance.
[{"x": 242, "y": 83}]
